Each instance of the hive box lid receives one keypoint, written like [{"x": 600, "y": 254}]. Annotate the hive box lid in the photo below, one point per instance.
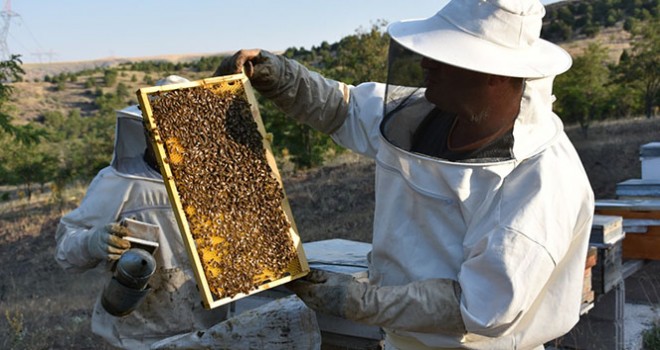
[{"x": 649, "y": 150}]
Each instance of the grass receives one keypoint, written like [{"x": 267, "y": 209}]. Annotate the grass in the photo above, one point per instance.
[
  {"x": 41, "y": 307},
  {"x": 651, "y": 337}
]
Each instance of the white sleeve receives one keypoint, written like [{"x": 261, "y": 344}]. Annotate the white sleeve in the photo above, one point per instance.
[
  {"x": 101, "y": 206},
  {"x": 501, "y": 280},
  {"x": 360, "y": 132}
]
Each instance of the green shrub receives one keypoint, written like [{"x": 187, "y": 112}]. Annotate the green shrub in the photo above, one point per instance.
[{"x": 651, "y": 337}]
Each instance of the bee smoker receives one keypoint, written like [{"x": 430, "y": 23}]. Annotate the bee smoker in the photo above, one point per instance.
[{"x": 129, "y": 284}]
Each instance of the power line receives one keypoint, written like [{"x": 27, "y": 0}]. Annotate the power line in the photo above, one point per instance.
[
  {"x": 6, "y": 14},
  {"x": 50, "y": 54},
  {"x": 27, "y": 28}
]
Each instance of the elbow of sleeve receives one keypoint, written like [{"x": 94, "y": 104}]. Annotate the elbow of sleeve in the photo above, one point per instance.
[
  {"x": 71, "y": 252},
  {"x": 64, "y": 263},
  {"x": 495, "y": 327}
]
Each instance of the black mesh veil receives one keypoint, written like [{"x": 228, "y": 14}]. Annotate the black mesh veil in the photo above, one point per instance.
[{"x": 405, "y": 77}]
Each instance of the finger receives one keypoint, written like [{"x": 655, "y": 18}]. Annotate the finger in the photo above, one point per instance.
[
  {"x": 248, "y": 69},
  {"x": 114, "y": 256},
  {"x": 115, "y": 251},
  {"x": 316, "y": 276},
  {"x": 118, "y": 230},
  {"x": 299, "y": 286},
  {"x": 230, "y": 65},
  {"x": 235, "y": 64},
  {"x": 118, "y": 242}
]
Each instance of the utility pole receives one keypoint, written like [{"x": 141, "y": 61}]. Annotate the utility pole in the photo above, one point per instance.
[
  {"x": 6, "y": 14},
  {"x": 50, "y": 54}
]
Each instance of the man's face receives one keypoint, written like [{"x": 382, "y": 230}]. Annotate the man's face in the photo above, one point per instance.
[{"x": 454, "y": 89}]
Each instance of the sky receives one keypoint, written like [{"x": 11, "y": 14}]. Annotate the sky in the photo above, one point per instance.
[{"x": 44, "y": 31}]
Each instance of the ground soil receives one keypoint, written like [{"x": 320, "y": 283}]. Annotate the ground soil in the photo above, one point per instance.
[{"x": 42, "y": 307}]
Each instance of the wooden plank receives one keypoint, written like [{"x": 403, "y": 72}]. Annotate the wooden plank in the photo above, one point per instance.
[
  {"x": 606, "y": 229},
  {"x": 638, "y": 245},
  {"x": 639, "y": 188},
  {"x": 642, "y": 247},
  {"x": 607, "y": 272},
  {"x": 628, "y": 204},
  {"x": 592, "y": 257}
]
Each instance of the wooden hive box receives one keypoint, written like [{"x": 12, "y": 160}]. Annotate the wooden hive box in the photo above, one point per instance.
[
  {"x": 224, "y": 186},
  {"x": 641, "y": 223}
]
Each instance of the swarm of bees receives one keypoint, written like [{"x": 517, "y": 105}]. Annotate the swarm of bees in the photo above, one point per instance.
[{"x": 231, "y": 199}]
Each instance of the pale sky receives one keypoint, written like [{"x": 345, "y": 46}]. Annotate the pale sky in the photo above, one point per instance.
[{"x": 77, "y": 30}]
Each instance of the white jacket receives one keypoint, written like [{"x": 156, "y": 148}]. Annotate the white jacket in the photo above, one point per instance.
[
  {"x": 514, "y": 234},
  {"x": 130, "y": 189}
]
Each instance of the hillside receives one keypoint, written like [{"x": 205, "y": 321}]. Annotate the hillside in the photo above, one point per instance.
[
  {"x": 37, "y": 71},
  {"x": 571, "y": 24}
]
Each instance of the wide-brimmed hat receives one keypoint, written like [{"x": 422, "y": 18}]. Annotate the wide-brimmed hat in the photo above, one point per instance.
[{"x": 491, "y": 36}]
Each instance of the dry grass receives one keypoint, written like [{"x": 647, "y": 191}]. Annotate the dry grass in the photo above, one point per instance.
[{"x": 41, "y": 307}]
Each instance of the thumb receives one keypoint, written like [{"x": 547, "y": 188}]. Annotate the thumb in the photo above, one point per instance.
[{"x": 117, "y": 230}]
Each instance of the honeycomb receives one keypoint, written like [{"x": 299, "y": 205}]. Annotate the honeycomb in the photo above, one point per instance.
[{"x": 231, "y": 200}]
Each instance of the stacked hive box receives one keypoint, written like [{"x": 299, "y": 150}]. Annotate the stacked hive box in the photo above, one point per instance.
[
  {"x": 638, "y": 202},
  {"x": 587, "y": 286},
  {"x": 224, "y": 186},
  {"x": 607, "y": 236},
  {"x": 641, "y": 221}
]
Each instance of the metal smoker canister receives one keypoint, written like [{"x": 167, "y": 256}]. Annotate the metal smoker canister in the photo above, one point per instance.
[{"x": 129, "y": 284}]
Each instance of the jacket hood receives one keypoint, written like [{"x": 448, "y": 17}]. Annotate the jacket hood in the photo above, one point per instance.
[
  {"x": 537, "y": 125},
  {"x": 130, "y": 141}
]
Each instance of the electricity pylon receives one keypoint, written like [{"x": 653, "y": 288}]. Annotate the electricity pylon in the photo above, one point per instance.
[{"x": 6, "y": 14}]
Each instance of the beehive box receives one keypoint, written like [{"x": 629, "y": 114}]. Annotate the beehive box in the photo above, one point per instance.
[
  {"x": 224, "y": 186},
  {"x": 641, "y": 222}
]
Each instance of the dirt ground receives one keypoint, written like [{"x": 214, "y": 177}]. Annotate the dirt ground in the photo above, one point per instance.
[{"x": 41, "y": 307}]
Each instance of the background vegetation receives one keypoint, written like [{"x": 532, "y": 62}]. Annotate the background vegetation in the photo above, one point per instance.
[{"x": 66, "y": 145}]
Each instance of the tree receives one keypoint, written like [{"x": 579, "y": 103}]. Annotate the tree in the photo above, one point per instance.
[
  {"x": 362, "y": 57},
  {"x": 306, "y": 146},
  {"x": 355, "y": 59},
  {"x": 110, "y": 77},
  {"x": 582, "y": 92},
  {"x": 26, "y": 164},
  {"x": 641, "y": 69},
  {"x": 11, "y": 70}
]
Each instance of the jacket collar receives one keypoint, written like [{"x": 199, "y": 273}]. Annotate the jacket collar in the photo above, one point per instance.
[{"x": 536, "y": 125}]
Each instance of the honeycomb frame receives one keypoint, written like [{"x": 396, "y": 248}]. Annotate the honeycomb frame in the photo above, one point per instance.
[{"x": 165, "y": 151}]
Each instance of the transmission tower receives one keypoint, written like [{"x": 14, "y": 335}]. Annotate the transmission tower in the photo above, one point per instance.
[{"x": 6, "y": 14}]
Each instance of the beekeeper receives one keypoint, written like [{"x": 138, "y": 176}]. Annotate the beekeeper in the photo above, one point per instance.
[
  {"x": 89, "y": 237},
  {"x": 483, "y": 208}
]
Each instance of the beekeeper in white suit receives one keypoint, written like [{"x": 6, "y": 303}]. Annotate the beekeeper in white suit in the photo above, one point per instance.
[
  {"x": 132, "y": 187},
  {"x": 483, "y": 208}
]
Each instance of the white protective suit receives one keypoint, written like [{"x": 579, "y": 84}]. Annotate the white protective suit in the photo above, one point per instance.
[
  {"x": 513, "y": 234},
  {"x": 129, "y": 188}
]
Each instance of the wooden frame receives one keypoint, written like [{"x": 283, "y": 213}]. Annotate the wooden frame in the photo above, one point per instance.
[{"x": 233, "y": 83}]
